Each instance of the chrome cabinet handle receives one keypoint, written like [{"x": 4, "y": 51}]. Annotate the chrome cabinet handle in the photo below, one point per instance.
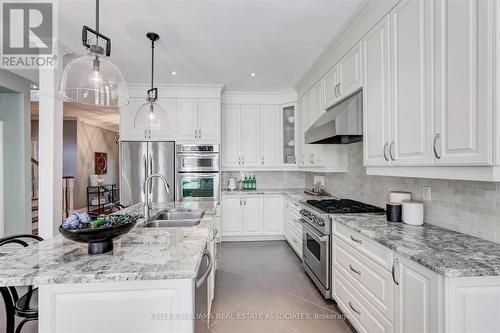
[
  {"x": 436, "y": 137},
  {"x": 359, "y": 241},
  {"x": 239, "y": 160},
  {"x": 396, "y": 261},
  {"x": 243, "y": 160},
  {"x": 339, "y": 88},
  {"x": 262, "y": 160},
  {"x": 390, "y": 151},
  {"x": 354, "y": 309},
  {"x": 199, "y": 133},
  {"x": 354, "y": 270},
  {"x": 385, "y": 152},
  {"x": 335, "y": 90},
  {"x": 209, "y": 269}
]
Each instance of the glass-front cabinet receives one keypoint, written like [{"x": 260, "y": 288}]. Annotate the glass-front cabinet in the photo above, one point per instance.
[{"x": 288, "y": 123}]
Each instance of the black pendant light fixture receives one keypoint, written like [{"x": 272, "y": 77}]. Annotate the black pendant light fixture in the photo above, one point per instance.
[
  {"x": 93, "y": 79},
  {"x": 151, "y": 117}
]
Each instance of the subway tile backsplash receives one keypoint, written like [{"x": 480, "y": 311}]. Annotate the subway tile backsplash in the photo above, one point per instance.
[
  {"x": 272, "y": 179},
  {"x": 466, "y": 206}
]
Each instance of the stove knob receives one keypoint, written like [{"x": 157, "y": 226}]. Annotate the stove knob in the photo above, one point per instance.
[{"x": 321, "y": 223}]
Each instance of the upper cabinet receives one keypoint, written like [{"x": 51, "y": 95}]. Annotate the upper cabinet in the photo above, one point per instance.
[
  {"x": 463, "y": 133},
  {"x": 128, "y": 132},
  {"x": 198, "y": 120},
  {"x": 251, "y": 136},
  {"x": 344, "y": 78},
  {"x": 289, "y": 142},
  {"x": 376, "y": 112},
  {"x": 428, "y": 90}
]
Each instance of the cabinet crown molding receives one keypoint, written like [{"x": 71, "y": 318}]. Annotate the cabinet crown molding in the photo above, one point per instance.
[{"x": 138, "y": 90}]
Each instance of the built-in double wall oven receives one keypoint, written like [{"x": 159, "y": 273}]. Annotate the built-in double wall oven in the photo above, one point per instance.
[{"x": 197, "y": 172}]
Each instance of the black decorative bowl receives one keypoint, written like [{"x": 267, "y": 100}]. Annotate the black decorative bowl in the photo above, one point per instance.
[{"x": 100, "y": 240}]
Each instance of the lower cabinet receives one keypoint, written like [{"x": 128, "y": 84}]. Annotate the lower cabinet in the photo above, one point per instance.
[
  {"x": 252, "y": 217},
  {"x": 418, "y": 300},
  {"x": 293, "y": 228}
]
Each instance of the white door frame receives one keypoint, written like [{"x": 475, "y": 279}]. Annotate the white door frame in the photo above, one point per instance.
[{"x": 2, "y": 228}]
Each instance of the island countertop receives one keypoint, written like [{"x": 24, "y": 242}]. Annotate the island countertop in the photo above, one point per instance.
[{"x": 141, "y": 254}]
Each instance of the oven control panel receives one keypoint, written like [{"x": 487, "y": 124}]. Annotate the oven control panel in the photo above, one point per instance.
[{"x": 313, "y": 218}]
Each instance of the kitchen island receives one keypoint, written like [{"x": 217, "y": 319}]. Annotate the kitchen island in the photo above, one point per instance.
[{"x": 147, "y": 284}]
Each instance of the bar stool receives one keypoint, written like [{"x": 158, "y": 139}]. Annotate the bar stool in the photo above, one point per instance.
[{"x": 26, "y": 306}]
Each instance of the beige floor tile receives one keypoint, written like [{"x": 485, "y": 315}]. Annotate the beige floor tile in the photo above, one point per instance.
[
  {"x": 285, "y": 329},
  {"x": 246, "y": 320},
  {"x": 317, "y": 320},
  {"x": 317, "y": 299},
  {"x": 277, "y": 301}
]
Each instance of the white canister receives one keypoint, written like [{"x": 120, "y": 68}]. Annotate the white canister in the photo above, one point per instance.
[
  {"x": 399, "y": 196},
  {"x": 413, "y": 212}
]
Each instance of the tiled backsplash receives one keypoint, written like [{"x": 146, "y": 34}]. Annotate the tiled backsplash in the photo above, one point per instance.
[
  {"x": 271, "y": 179},
  {"x": 465, "y": 206}
]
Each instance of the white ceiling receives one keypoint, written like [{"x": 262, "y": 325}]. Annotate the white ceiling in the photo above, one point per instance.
[{"x": 212, "y": 41}]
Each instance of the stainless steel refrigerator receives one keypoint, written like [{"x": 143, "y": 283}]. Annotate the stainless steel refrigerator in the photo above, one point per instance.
[{"x": 138, "y": 160}]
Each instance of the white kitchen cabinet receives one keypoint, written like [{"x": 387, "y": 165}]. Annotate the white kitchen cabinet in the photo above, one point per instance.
[
  {"x": 253, "y": 217},
  {"x": 463, "y": 132},
  {"x": 376, "y": 112},
  {"x": 273, "y": 214},
  {"x": 270, "y": 135},
  {"x": 209, "y": 118},
  {"x": 231, "y": 135},
  {"x": 232, "y": 215},
  {"x": 250, "y": 131},
  {"x": 343, "y": 79},
  {"x": 252, "y": 136},
  {"x": 292, "y": 227},
  {"x": 349, "y": 76},
  {"x": 418, "y": 297},
  {"x": 411, "y": 82},
  {"x": 129, "y": 132},
  {"x": 198, "y": 120},
  {"x": 300, "y": 128},
  {"x": 315, "y": 151}
]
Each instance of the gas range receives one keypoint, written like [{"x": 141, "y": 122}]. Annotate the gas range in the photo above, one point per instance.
[{"x": 317, "y": 212}]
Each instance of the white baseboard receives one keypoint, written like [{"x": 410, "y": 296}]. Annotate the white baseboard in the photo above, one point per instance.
[{"x": 252, "y": 238}]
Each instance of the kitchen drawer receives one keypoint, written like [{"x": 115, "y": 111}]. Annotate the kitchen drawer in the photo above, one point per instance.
[
  {"x": 294, "y": 224},
  {"x": 376, "y": 252},
  {"x": 293, "y": 208},
  {"x": 374, "y": 282},
  {"x": 361, "y": 313}
]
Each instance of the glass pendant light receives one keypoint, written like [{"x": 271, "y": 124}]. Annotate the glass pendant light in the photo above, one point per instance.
[
  {"x": 151, "y": 117},
  {"x": 93, "y": 79}
]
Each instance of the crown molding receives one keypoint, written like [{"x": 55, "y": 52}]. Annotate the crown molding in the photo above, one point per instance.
[{"x": 259, "y": 97}]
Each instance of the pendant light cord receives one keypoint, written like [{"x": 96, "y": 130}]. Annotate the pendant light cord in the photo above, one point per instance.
[
  {"x": 97, "y": 16},
  {"x": 152, "y": 61}
]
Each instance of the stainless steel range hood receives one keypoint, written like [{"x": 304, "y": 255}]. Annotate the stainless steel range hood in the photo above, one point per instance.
[{"x": 340, "y": 124}]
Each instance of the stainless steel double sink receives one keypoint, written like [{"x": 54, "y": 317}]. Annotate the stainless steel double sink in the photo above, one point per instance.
[{"x": 175, "y": 218}]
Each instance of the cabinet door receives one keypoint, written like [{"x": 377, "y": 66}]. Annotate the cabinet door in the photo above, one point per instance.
[
  {"x": 299, "y": 128},
  {"x": 187, "y": 119},
  {"x": 316, "y": 110},
  {"x": 127, "y": 116},
  {"x": 330, "y": 86},
  {"x": 209, "y": 111},
  {"x": 250, "y": 129},
  {"x": 232, "y": 219},
  {"x": 411, "y": 61},
  {"x": 418, "y": 297},
  {"x": 270, "y": 138},
  {"x": 463, "y": 133},
  {"x": 253, "y": 217},
  {"x": 168, "y": 129},
  {"x": 231, "y": 135},
  {"x": 376, "y": 113},
  {"x": 306, "y": 148},
  {"x": 349, "y": 72},
  {"x": 273, "y": 214}
]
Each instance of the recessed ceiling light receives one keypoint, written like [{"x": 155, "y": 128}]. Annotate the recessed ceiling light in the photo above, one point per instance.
[
  {"x": 252, "y": 74},
  {"x": 173, "y": 73}
]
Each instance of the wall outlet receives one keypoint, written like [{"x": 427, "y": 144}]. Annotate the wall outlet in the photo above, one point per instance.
[
  {"x": 319, "y": 180},
  {"x": 426, "y": 193}
]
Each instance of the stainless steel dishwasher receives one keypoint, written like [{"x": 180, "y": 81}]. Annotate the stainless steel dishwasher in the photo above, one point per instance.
[{"x": 201, "y": 292}]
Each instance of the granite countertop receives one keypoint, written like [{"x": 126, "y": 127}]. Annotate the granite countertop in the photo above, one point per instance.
[
  {"x": 141, "y": 254},
  {"x": 447, "y": 252},
  {"x": 295, "y": 194}
]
